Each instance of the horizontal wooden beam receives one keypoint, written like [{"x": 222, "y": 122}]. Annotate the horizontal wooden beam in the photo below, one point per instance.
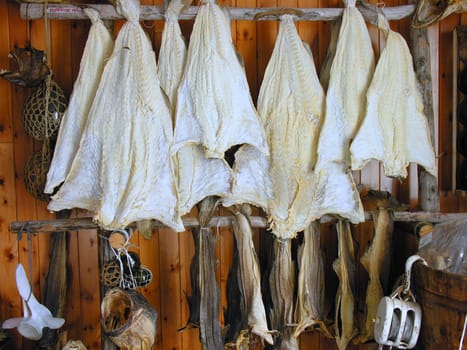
[
  {"x": 148, "y": 13},
  {"x": 217, "y": 221}
]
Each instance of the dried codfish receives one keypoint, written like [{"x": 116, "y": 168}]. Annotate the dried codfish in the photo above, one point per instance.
[
  {"x": 290, "y": 103},
  {"x": 123, "y": 171},
  {"x": 194, "y": 171},
  {"x": 349, "y": 77},
  {"x": 376, "y": 261},
  {"x": 250, "y": 279},
  {"x": 336, "y": 193},
  {"x": 214, "y": 106},
  {"x": 395, "y": 129},
  {"x": 344, "y": 266},
  {"x": 282, "y": 285},
  {"x": 311, "y": 293},
  {"x": 97, "y": 49},
  {"x": 330, "y": 53},
  {"x": 172, "y": 54},
  {"x": 210, "y": 327}
]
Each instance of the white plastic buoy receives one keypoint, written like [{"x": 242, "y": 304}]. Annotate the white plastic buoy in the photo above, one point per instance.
[{"x": 399, "y": 316}]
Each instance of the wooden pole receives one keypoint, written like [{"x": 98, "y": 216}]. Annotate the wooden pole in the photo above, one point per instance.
[
  {"x": 148, "y": 13},
  {"x": 44, "y": 226},
  {"x": 427, "y": 184}
]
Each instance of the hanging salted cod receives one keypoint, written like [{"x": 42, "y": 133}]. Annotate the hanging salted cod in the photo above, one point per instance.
[
  {"x": 214, "y": 106},
  {"x": 122, "y": 171},
  {"x": 350, "y": 75},
  {"x": 97, "y": 49},
  {"x": 395, "y": 129},
  {"x": 194, "y": 171},
  {"x": 290, "y": 104}
]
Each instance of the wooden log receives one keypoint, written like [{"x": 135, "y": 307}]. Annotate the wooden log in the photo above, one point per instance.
[
  {"x": 420, "y": 48},
  {"x": 148, "y": 13},
  {"x": 43, "y": 226},
  {"x": 73, "y": 224}
]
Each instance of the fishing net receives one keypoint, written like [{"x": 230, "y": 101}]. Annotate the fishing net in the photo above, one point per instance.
[
  {"x": 43, "y": 110},
  {"x": 35, "y": 173}
]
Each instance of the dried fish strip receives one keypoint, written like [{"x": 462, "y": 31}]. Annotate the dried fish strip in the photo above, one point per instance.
[
  {"x": 98, "y": 48},
  {"x": 376, "y": 262},
  {"x": 250, "y": 277},
  {"x": 122, "y": 171},
  {"x": 193, "y": 170},
  {"x": 311, "y": 292},
  {"x": 214, "y": 106},
  {"x": 395, "y": 129},
  {"x": 344, "y": 266}
]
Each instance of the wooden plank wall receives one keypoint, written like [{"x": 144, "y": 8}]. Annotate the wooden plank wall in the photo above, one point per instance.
[{"x": 168, "y": 254}]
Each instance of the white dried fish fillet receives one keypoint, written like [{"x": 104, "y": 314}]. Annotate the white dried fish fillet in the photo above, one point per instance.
[
  {"x": 395, "y": 129},
  {"x": 290, "y": 104},
  {"x": 123, "y": 171},
  {"x": 337, "y": 194},
  {"x": 97, "y": 49},
  {"x": 214, "y": 106},
  {"x": 251, "y": 183},
  {"x": 351, "y": 72},
  {"x": 197, "y": 176},
  {"x": 172, "y": 54},
  {"x": 251, "y": 277}
]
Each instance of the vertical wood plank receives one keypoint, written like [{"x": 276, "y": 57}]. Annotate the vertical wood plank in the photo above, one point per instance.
[
  {"x": 149, "y": 255},
  {"x": 445, "y": 99},
  {"x": 448, "y": 202},
  {"x": 190, "y": 336},
  {"x": 171, "y": 298},
  {"x": 11, "y": 304},
  {"x": 23, "y": 148},
  {"x": 88, "y": 270},
  {"x": 246, "y": 47},
  {"x": 6, "y": 123}
]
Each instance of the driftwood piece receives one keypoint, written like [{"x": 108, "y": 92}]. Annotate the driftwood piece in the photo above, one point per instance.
[
  {"x": 46, "y": 226},
  {"x": 148, "y": 13},
  {"x": 420, "y": 48}
]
